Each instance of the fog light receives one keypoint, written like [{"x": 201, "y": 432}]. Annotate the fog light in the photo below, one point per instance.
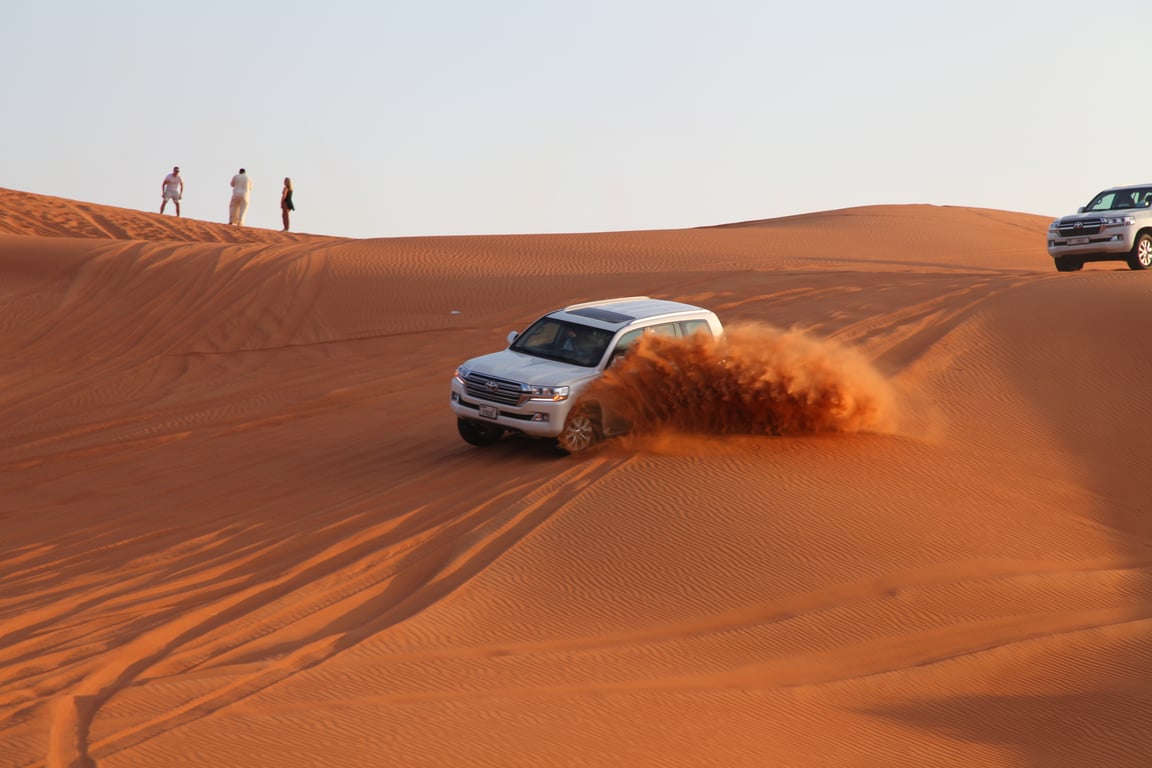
[
  {"x": 455, "y": 397},
  {"x": 540, "y": 417}
]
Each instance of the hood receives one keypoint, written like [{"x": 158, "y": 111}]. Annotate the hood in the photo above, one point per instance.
[
  {"x": 1095, "y": 216},
  {"x": 516, "y": 366}
]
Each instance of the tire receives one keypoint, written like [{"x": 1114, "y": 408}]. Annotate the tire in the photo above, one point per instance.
[
  {"x": 477, "y": 433},
  {"x": 1068, "y": 264},
  {"x": 582, "y": 430},
  {"x": 1141, "y": 257}
]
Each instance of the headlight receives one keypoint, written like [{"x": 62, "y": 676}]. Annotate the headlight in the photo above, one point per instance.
[
  {"x": 462, "y": 373},
  {"x": 1118, "y": 221},
  {"x": 1054, "y": 226},
  {"x": 555, "y": 394}
]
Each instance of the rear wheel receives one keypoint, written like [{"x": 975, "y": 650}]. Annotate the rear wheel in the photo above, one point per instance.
[
  {"x": 477, "y": 433},
  {"x": 1069, "y": 264},
  {"x": 582, "y": 430},
  {"x": 1141, "y": 257}
]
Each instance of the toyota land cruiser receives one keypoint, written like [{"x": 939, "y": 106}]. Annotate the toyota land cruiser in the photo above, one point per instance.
[
  {"x": 1115, "y": 226},
  {"x": 534, "y": 386}
]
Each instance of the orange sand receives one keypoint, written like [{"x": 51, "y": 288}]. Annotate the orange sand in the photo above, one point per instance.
[{"x": 239, "y": 528}]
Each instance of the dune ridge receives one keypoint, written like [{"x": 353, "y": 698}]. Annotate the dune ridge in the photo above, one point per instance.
[
  {"x": 25, "y": 213},
  {"x": 239, "y": 527}
]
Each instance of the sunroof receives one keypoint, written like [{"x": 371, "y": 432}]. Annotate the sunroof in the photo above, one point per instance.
[{"x": 603, "y": 315}]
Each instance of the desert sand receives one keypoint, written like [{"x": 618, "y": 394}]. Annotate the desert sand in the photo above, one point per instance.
[{"x": 239, "y": 528}]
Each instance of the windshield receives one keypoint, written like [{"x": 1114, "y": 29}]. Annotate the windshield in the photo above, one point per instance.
[
  {"x": 567, "y": 342},
  {"x": 1121, "y": 199}
]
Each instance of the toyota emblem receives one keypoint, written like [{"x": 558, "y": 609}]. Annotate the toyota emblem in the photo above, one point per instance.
[{"x": 491, "y": 386}]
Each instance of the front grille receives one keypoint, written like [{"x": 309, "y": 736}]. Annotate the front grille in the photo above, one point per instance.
[
  {"x": 1080, "y": 228},
  {"x": 492, "y": 390}
]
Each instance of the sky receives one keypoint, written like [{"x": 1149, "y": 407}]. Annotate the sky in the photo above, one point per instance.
[{"x": 454, "y": 117}]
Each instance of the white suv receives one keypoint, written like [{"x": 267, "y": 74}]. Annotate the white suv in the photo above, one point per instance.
[
  {"x": 1115, "y": 226},
  {"x": 533, "y": 387}
]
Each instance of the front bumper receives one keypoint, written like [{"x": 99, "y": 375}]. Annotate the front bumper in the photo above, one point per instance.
[
  {"x": 1114, "y": 243},
  {"x": 535, "y": 418}
]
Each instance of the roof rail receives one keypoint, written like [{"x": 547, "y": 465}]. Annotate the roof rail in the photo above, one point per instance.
[{"x": 602, "y": 302}]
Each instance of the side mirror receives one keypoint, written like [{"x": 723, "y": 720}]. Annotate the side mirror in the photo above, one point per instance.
[
  {"x": 1080, "y": 209},
  {"x": 512, "y": 335}
]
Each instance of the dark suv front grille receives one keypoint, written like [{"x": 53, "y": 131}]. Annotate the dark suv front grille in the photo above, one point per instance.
[
  {"x": 1080, "y": 228},
  {"x": 493, "y": 390}
]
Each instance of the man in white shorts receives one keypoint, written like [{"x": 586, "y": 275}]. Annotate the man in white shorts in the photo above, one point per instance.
[
  {"x": 172, "y": 189},
  {"x": 241, "y": 189}
]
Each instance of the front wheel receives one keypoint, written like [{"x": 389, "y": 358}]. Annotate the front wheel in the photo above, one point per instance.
[
  {"x": 1141, "y": 257},
  {"x": 582, "y": 430},
  {"x": 1069, "y": 264},
  {"x": 476, "y": 433}
]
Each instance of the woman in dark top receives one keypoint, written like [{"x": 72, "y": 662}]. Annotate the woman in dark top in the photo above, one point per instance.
[{"x": 286, "y": 201}]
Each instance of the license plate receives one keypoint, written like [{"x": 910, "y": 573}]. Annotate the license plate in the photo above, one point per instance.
[
  {"x": 1077, "y": 240},
  {"x": 489, "y": 411}
]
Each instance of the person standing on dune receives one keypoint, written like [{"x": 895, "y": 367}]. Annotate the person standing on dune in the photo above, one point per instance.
[
  {"x": 241, "y": 191},
  {"x": 286, "y": 201},
  {"x": 172, "y": 188}
]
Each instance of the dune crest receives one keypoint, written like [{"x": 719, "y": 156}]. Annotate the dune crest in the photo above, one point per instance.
[{"x": 26, "y": 213}]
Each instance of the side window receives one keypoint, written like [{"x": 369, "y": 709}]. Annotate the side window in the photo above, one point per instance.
[
  {"x": 631, "y": 337},
  {"x": 627, "y": 340},
  {"x": 664, "y": 329},
  {"x": 689, "y": 327}
]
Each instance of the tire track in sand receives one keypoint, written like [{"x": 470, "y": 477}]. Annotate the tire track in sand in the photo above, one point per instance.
[{"x": 419, "y": 568}]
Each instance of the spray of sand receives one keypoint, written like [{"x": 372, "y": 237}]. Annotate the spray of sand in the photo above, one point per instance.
[{"x": 757, "y": 380}]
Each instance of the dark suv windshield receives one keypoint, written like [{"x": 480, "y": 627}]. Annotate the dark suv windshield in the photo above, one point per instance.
[
  {"x": 567, "y": 342},
  {"x": 1121, "y": 199}
]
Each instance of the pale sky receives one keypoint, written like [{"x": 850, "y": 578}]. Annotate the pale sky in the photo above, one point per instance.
[{"x": 436, "y": 117}]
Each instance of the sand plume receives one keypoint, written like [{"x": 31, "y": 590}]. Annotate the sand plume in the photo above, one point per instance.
[{"x": 757, "y": 380}]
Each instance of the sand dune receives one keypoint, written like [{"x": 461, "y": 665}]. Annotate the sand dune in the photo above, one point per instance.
[
  {"x": 24, "y": 213},
  {"x": 240, "y": 529}
]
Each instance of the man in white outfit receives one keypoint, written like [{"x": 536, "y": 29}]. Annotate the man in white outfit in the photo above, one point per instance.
[
  {"x": 172, "y": 189},
  {"x": 241, "y": 189}
]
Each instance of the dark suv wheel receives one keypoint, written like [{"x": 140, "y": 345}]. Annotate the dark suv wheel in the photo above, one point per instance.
[
  {"x": 1141, "y": 257},
  {"x": 1069, "y": 264}
]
